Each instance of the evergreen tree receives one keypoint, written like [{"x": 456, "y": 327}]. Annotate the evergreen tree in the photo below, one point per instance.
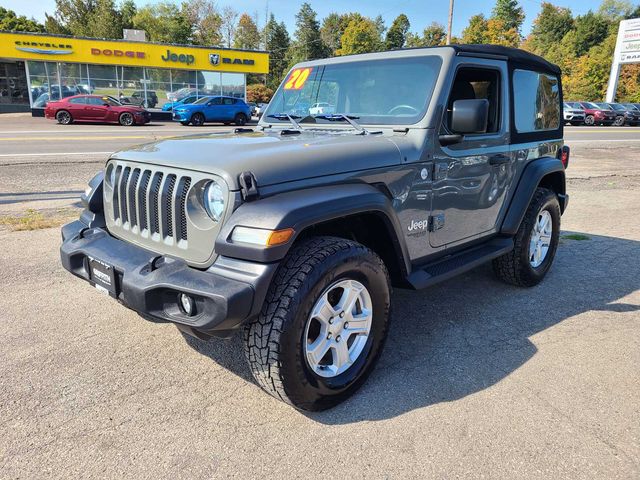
[
  {"x": 591, "y": 29},
  {"x": 277, "y": 44},
  {"x": 476, "y": 31},
  {"x": 128, "y": 10},
  {"x": 331, "y": 31},
  {"x": 509, "y": 13},
  {"x": 432, "y": 36},
  {"x": 308, "y": 44},
  {"x": 164, "y": 22},
  {"x": 397, "y": 34},
  {"x": 549, "y": 28}
]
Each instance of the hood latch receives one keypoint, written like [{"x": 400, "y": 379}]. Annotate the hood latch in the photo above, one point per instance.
[{"x": 248, "y": 186}]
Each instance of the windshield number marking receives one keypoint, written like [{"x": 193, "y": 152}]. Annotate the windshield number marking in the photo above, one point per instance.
[{"x": 297, "y": 79}]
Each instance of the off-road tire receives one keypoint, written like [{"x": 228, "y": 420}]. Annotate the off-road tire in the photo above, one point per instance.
[
  {"x": 274, "y": 341},
  {"x": 63, "y": 117},
  {"x": 197, "y": 119},
  {"x": 240, "y": 119},
  {"x": 514, "y": 267}
]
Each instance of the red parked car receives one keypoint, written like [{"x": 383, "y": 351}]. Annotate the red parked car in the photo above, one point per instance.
[
  {"x": 94, "y": 108},
  {"x": 595, "y": 115}
]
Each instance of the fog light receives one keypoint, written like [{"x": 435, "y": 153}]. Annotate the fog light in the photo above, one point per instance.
[{"x": 187, "y": 304}]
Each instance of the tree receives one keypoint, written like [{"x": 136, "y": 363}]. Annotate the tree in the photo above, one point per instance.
[
  {"x": 549, "y": 28},
  {"x": 509, "y": 13},
  {"x": 308, "y": 44},
  {"x": 259, "y": 93},
  {"x": 432, "y": 36},
  {"x": 74, "y": 16},
  {"x": 591, "y": 29},
  {"x": 499, "y": 34},
  {"x": 476, "y": 31},
  {"x": 397, "y": 33},
  {"x": 615, "y": 10},
  {"x": 10, "y": 21},
  {"x": 105, "y": 20},
  {"x": 331, "y": 31},
  {"x": 277, "y": 44},
  {"x": 164, "y": 22},
  {"x": 360, "y": 37},
  {"x": 203, "y": 15},
  {"x": 128, "y": 10},
  {"x": 228, "y": 27},
  {"x": 247, "y": 36}
]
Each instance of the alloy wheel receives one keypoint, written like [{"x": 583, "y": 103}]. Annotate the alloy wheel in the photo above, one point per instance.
[
  {"x": 338, "y": 328},
  {"x": 540, "y": 238}
]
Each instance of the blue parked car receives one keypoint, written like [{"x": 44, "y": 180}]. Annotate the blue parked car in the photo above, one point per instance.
[
  {"x": 167, "y": 107},
  {"x": 213, "y": 109}
]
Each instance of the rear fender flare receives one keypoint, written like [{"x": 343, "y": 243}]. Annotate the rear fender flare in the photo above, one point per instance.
[{"x": 531, "y": 177}]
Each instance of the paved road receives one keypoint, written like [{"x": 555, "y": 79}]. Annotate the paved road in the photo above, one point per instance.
[{"x": 478, "y": 379}]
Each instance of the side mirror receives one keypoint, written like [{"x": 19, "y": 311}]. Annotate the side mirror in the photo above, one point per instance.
[{"x": 470, "y": 116}]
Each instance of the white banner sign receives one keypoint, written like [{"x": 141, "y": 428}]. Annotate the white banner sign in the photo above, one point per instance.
[{"x": 627, "y": 51}]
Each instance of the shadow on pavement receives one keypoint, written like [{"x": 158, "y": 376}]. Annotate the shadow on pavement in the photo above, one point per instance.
[{"x": 468, "y": 333}]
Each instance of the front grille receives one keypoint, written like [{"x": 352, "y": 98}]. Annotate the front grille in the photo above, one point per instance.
[{"x": 147, "y": 202}]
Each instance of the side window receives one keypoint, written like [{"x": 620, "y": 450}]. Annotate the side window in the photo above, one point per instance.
[
  {"x": 80, "y": 100},
  {"x": 229, "y": 101},
  {"x": 536, "y": 101},
  {"x": 216, "y": 101},
  {"x": 95, "y": 101},
  {"x": 477, "y": 83}
]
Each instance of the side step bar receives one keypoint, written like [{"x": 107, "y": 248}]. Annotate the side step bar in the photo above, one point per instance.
[{"x": 448, "y": 267}]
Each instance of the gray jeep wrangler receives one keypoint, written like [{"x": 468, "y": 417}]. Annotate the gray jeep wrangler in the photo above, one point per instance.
[{"x": 412, "y": 167}]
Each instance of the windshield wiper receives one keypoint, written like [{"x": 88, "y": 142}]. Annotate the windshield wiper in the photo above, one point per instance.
[
  {"x": 336, "y": 117},
  {"x": 285, "y": 116}
]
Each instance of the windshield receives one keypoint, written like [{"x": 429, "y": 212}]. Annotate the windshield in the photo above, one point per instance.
[
  {"x": 592, "y": 105},
  {"x": 378, "y": 92},
  {"x": 617, "y": 107}
]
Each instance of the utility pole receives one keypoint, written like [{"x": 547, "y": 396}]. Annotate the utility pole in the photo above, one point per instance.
[{"x": 450, "y": 22}]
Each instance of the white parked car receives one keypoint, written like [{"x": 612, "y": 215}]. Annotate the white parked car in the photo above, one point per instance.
[
  {"x": 322, "y": 108},
  {"x": 260, "y": 109}
]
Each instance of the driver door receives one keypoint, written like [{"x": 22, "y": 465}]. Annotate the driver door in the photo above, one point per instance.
[
  {"x": 471, "y": 178},
  {"x": 96, "y": 109}
]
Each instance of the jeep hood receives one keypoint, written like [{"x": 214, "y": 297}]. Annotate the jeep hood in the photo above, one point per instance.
[{"x": 273, "y": 158}]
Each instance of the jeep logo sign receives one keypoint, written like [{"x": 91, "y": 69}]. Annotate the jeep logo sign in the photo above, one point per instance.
[{"x": 180, "y": 58}]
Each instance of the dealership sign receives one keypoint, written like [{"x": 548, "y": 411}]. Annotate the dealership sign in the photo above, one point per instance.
[
  {"x": 44, "y": 48},
  {"x": 627, "y": 51}
]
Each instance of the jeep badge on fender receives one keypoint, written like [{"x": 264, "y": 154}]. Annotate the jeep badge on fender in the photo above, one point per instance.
[{"x": 364, "y": 172}]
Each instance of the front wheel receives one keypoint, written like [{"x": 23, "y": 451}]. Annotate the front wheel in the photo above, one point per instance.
[
  {"x": 535, "y": 243},
  {"x": 322, "y": 325},
  {"x": 197, "y": 119},
  {"x": 126, "y": 119},
  {"x": 240, "y": 119},
  {"x": 619, "y": 121}
]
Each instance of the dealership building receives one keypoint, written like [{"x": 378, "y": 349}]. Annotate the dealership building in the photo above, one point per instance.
[{"x": 35, "y": 68}]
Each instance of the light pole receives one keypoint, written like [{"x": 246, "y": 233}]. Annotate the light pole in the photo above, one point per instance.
[{"x": 450, "y": 22}]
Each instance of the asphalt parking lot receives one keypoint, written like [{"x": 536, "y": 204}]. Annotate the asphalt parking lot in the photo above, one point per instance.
[{"x": 478, "y": 379}]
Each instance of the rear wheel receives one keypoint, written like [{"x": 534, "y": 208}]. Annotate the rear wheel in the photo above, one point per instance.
[
  {"x": 126, "y": 119},
  {"x": 240, "y": 119},
  {"x": 63, "y": 117},
  {"x": 197, "y": 119},
  {"x": 322, "y": 325},
  {"x": 535, "y": 242},
  {"x": 619, "y": 121},
  {"x": 589, "y": 120}
]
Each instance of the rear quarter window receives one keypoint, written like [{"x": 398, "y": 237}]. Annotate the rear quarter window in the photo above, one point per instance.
[{"x": 536, "y": 101}]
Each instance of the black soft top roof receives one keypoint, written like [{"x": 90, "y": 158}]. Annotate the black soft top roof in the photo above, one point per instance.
[{"x": 513, "y": 55}]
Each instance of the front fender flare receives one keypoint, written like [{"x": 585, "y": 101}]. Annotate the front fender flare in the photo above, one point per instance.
[{"x": 300, "y": 209}]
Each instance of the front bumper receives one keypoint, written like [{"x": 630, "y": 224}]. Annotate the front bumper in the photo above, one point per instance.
[
  {"x": 180, "y": 116},
  {"x": 226, "y": 295}
]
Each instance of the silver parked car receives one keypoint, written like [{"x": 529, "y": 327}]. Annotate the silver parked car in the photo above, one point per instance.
[{"x": 572, "y": 115}]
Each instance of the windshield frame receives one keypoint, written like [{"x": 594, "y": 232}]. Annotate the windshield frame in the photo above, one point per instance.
[{"x": 434, "y": 56}]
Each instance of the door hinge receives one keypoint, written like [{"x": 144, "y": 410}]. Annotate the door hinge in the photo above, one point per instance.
[
  {"x": 436, "y": 222},
  {"x": 248, "y": 186}
]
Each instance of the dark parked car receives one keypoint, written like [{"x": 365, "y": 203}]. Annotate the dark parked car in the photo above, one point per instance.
[
  {"x": 594, "y": 114},
  {"x": 296, "y": 231},
  {"x": 93, "y": 108},
  {"x": 573, "y": 115},
  {"x": 624, "y": 116},
  {"x": 137, "y": 98},
  {"x": 213, "y": 109}
]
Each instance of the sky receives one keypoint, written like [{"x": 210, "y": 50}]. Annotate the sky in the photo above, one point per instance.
[{"x": 420, "y": 13}]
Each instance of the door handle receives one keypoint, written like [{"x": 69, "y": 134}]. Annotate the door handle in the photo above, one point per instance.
[{"x": 499, "y": 159}]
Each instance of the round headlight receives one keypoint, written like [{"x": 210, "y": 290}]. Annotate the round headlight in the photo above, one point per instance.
[{"x": 214, "y": 201}]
